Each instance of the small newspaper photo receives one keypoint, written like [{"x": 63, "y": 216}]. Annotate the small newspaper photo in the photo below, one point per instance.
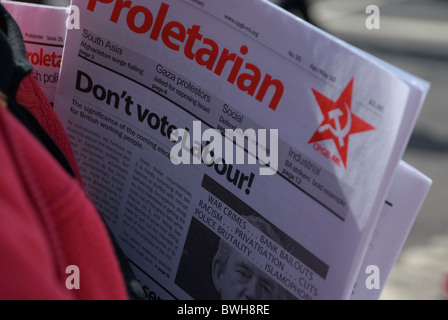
[{"x": 236, "y": 151}]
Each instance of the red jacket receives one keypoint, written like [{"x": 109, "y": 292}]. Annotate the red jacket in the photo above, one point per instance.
[{"x": 47, "y": 223}]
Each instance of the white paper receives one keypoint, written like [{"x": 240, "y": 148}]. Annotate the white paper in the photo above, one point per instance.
[
  {"x": 406, "y": 196},
  {"x": 133, "y": 73}
]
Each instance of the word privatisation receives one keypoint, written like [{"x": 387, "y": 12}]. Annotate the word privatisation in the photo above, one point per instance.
[{"x": 246, "y": 76}]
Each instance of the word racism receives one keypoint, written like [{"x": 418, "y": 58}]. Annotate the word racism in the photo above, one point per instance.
[
  {"x": 174, "y": 34},
  {"x": 212, "y": 153}
]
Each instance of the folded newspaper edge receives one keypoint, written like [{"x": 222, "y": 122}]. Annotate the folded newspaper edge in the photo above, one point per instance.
[{"x": 397, "y": 217}]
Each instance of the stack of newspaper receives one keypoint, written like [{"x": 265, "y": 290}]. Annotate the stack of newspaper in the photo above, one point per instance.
[{"x": 234, "y": 150}]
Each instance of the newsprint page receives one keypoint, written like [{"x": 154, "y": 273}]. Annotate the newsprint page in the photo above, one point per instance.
[
  {"x": 218, "y": 136},
  {"x": 43, "y": 31}
]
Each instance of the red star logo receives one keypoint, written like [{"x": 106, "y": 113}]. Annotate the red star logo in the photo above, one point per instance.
[{"x": 339, "y": 121}]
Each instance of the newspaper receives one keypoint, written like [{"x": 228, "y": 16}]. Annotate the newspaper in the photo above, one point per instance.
[
  {"x": 397, "y": 217},
  {"x": 198, "y": 126},
  {"x": 43, "y": 31}
]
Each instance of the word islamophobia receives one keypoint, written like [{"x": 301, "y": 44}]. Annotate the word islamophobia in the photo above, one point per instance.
[
  {"x": 247, "y": 76},
  {"x": 212, "y": 153}
]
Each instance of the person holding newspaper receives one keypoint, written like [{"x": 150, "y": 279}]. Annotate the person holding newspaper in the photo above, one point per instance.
[{"x": 53, "y": 243}]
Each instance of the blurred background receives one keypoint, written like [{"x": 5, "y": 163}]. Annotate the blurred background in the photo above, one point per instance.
[{"x": 412, "y": 35}]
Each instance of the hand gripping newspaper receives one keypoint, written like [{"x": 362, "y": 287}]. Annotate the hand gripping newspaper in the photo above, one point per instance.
[{"x": 236, "y": 151}]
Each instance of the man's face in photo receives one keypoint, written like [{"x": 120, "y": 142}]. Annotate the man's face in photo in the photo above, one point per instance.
[{"x": 241, "y": 280}]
